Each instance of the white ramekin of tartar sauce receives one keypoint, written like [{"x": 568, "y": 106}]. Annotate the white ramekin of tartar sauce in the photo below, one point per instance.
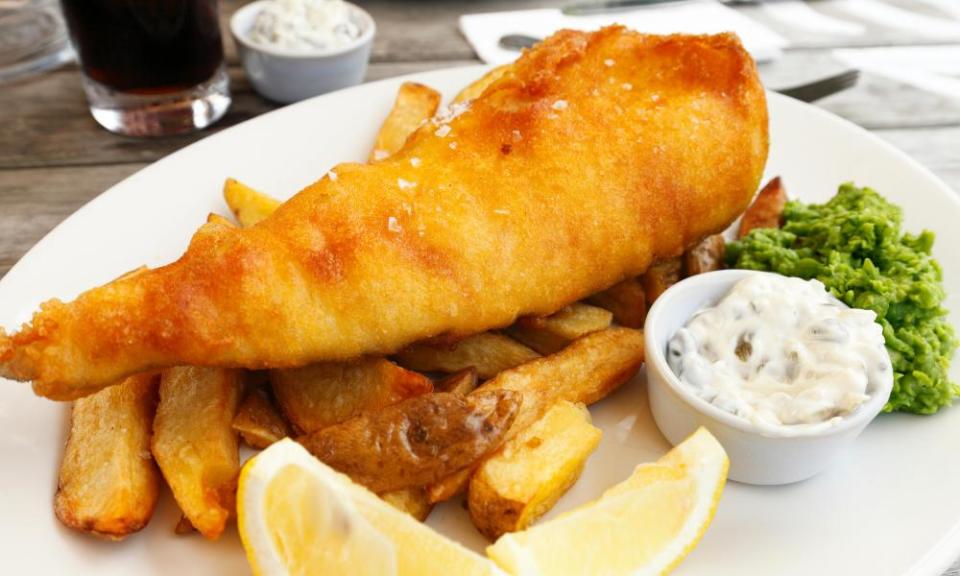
[
  {"x": 783, "y": 374},
  {"x": 295, "y": 49}
]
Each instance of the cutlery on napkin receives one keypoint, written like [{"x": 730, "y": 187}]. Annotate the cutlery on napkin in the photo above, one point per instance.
[{"x": 483, "y": 31}]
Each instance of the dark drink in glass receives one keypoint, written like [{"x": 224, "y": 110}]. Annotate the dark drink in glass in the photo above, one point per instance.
[{"x": 150, "y": 67}]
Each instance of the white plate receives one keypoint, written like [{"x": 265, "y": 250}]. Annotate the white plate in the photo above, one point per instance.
[{"x": 890, "y": 507}]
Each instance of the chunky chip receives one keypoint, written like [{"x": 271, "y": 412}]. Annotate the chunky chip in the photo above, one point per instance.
[
  {"x": 627, "y": 301},
  {"x": 414, "y": 105},
  {"x": 446, "y": 488},
  {"x": 524, "y": 480},
  {"x": 585, "y": 371},
  {"x": 661, "y": 276},
  {"x": 258, "y": 422},
  {"x": 478, "y": 86},
  {"x": 462, "y": 382},
  {"x": 766, "y": 210},
  {"x": 418, "y": 441},
  {"x": 489, "y": 353},
  {"x": 195, "y": 445},
  {"x": 108, "y": 482},
  {"x": 706, "y": 256},
  {"x": 413, "y": 501},
  {"x": 551, "y": 333},
  {"x": 328, "y": 393},
  {"x": 249, "y": 206}
]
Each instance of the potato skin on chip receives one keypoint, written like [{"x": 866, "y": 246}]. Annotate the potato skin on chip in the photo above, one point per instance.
[
  {"x": 417, "y": 441},
  {"x": 587, "y": 370},
  {"x": 706, "y": 256},
  {"x": 328, "y": 393},
  {"x": 766, "y": 210}
]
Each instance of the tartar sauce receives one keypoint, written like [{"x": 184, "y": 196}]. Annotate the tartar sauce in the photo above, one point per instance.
[
  {"x": 782, "y": 352},
  {"x": 304, "y": 25}
]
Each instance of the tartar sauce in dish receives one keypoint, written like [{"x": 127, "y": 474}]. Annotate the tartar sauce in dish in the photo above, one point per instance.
[
  {"x": 782, "y": 353},
  {"x": 304, "y": 25}
]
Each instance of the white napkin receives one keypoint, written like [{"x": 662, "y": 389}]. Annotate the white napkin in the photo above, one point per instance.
[
  {"x": 932, "y": 68},
  {"x": 483, "y": 31}
]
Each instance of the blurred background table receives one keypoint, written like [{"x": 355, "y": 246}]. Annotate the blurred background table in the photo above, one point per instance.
[{"x": 54, "y": 157}]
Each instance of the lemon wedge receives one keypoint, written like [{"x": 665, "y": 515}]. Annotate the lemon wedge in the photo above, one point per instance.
[
  {"x": 297, "y": 515},
  {"x": 644, "y": 525}
]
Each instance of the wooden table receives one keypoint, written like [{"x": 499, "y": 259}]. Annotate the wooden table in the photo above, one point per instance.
[{"x": 54, "y": 157}]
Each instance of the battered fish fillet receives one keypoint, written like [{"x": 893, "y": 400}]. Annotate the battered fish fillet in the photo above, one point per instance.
[{"x": 593, "y": 156}]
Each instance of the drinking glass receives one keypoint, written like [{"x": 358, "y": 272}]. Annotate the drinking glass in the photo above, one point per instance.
[
  {"x": 32, "y": 38},
  {"x": 150, "y": 67}
]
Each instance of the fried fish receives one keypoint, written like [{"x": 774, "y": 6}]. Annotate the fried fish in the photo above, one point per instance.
[{"x": 591, "y": 157}]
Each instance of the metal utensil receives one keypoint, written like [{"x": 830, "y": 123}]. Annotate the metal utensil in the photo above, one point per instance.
[
  {"x": 823, "y": 87},
  {"x": 517, "y": 41}
]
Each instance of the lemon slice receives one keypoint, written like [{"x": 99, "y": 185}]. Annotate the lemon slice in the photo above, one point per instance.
[
  {"x": 644, "y": 525},
  {"x": 297, "y": 515}
]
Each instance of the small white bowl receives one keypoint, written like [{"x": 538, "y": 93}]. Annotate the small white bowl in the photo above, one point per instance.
[
  {"x": 757, "y": 456},
  {"x": 287, "y": 76}
]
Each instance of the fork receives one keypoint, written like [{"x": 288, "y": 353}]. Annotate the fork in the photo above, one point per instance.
[
  {"x": 812, "y": 91},
  {"x": 806, "y": 92}
]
